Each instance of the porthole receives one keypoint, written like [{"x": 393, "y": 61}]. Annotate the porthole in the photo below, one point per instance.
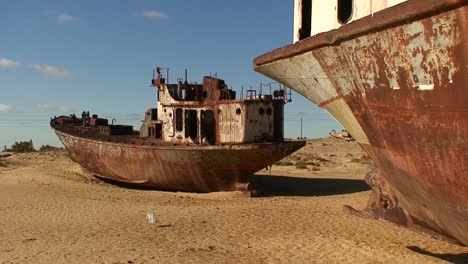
[
  {"x": 269, "y": 111},
  {"x": 238, "y": 111},
  {"x": 261, "y": 111}
]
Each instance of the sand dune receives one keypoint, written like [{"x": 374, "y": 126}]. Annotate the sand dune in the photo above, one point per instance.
[{"x": 51, "y": 211}]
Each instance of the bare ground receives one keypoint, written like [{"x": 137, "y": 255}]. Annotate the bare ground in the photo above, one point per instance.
[{"x": 51, "y": 211}]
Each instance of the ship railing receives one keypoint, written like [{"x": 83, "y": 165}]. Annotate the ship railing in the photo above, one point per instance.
[
  {"x": 251, "y": 94},
  {"x": 273, "y": 90}
]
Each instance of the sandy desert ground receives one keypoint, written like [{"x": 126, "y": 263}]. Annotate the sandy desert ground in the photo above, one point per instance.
[{"x": 51, "y": 211}]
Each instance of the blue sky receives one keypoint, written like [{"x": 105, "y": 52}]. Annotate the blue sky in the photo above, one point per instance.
[{"x": 58, "y": 57}]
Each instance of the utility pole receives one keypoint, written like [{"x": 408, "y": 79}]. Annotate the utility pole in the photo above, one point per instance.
[
  {"x": 301, "y": 127},
  {"x": 301, "y": 114}
]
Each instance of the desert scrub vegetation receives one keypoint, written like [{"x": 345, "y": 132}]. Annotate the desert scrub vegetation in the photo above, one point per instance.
[
  {"x": 22, "y": 146},
  {"x": 27, "y": 146},
  {"x": 364, "y": 159},
  {"x": 301, "y": 166},
  {"x": 284, "y": 163},
  {"x": 313, "y": 163},
  {"x": 47, "y": 148}
]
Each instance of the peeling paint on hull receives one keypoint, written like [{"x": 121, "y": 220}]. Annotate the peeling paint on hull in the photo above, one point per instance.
[
  {"x": 185, "y": 168},
  {"x": 398, "y": 81}
]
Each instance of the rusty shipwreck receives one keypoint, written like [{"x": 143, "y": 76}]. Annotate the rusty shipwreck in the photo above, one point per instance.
[
  {"x": 198, "y": 138},
  {"x": 395, "y": 74}
]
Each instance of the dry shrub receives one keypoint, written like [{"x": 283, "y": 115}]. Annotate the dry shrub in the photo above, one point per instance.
[
  {"x": 300, "y": 162},
  {"x": 364, "y": 159},
  {"x": 284, "y": 163},
  {"x": 296, "y": 157},
  {"x": 322, "y": 159},
  {"x": 313, "y": 163},
  {"x": 47, "y": 148},
  {"x": 23, "y": 146},
  {"x": 301, "y": 166}
]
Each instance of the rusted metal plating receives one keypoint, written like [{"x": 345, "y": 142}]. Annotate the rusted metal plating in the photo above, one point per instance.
[
  {"x": 198, "y": 168},
  {"x": 397, "y": 81},
  {"x": 199, "y": 138},
  {"x": 209, "y": 113}
]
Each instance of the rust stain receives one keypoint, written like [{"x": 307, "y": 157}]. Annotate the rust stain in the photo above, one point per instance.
[
  {"x": 404, "y": 75},
  {"x": 187, "y": 168},
  {"x": 199, "y": 138}
]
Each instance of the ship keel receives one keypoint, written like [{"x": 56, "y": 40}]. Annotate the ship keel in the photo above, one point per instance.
[{"x": 384, "y": 205}]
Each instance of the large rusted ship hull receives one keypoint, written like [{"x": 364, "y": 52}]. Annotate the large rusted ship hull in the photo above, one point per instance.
[
  {"x": 187, "y": 168},
  {"x": 397, "y": 81}
]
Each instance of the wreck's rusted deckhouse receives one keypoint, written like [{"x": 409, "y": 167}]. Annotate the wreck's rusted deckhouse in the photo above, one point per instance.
[{"x": 209, "y": 113}]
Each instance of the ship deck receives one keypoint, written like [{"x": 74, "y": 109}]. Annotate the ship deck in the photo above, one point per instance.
[{"x": 92, "y": 133}]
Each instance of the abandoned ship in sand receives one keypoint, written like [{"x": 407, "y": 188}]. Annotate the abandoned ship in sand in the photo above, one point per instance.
[
  {"x": 394, "y": 73},
  {"x": 198, "y": 138}
]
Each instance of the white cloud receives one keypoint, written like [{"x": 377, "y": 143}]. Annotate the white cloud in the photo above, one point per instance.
[
  {"x": 7, "y": 63},
  {"x": 66, "y": 18},
  {"x": 55, "y": 108},
  {"x": 44, "y": 69},
  {"x": 6, "y": 108},
  {"x": 50, "y": 70},
  {"x": 153, "y": 14}
]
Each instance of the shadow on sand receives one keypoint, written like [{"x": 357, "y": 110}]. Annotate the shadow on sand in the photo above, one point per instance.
[
  {"x": 267, "y": 185},
  {"x": 452, "y": 258},
  {"x": 131, "y": 186}
]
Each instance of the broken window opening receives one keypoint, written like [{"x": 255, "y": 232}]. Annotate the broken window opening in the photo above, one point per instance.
[
  {"x": 158, "y": 131},
  {"x": 153, "y": 114},
  {"x": 208, "y": 126},
  {"x": 179, "y": 120},
  {"x": 345, "y": 11},
  {"x": 306, "y": 16},
  {"x": 151, "y": 132},
  {"x": 191, "y": 124}
]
